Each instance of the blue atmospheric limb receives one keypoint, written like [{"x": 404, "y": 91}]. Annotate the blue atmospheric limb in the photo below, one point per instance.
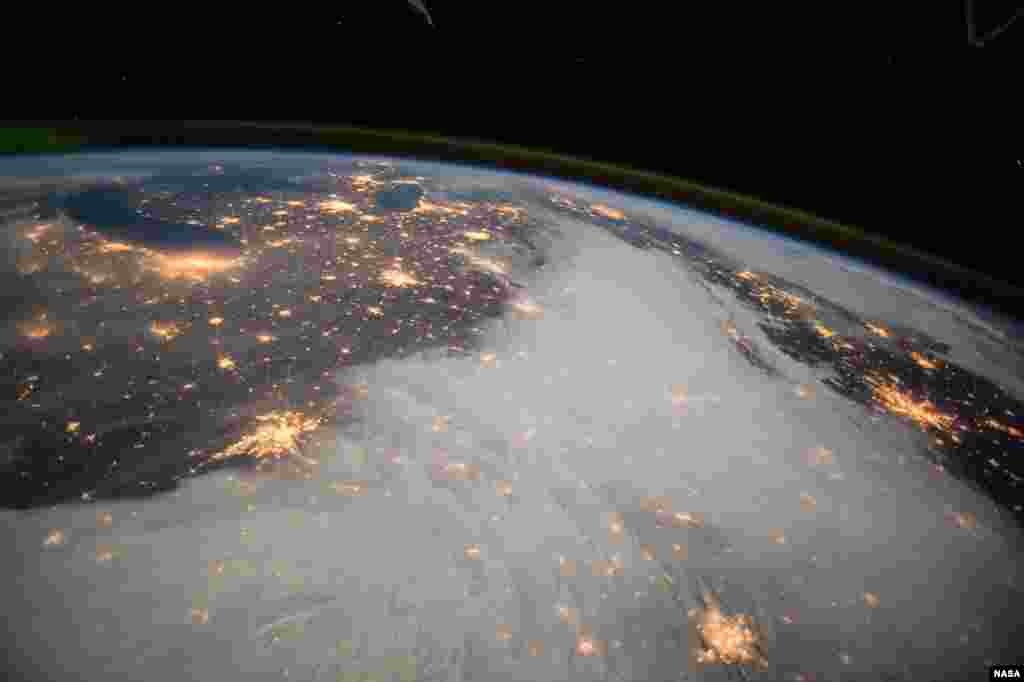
[{"x": 421, "y": 7}]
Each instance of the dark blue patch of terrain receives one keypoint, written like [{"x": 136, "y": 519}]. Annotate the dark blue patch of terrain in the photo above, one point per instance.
[
  {"x": 399, "y": 198},
  {"x": 232, "y": 180},
  {"x": 114, "y": 212}
]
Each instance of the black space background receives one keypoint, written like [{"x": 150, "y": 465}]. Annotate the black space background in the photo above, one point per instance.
[{"x": 871, "y": 114}]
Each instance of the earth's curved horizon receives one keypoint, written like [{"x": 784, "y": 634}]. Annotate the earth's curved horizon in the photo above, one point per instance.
[
  {"x": 306, "y": 416},
  {"x": 984, "y": 290}
]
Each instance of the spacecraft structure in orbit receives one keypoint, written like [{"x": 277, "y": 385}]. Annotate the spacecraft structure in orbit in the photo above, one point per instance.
[{"x": 421, "y": 7}]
